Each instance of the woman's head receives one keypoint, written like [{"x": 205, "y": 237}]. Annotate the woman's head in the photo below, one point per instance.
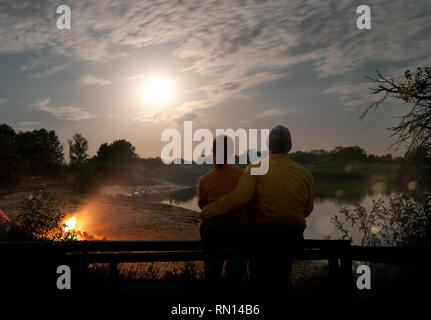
[{"x": 227, "y": 150}]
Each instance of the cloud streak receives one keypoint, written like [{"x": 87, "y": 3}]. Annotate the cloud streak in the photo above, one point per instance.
[
  {"x": 236, "y": 44},
  {"x": 64, "y": 113},
  {"x": 274, "y": 113},
  {"x": 353, "y": 95},
  {"x": 28, "y": 123},
  {"x": 47, "y": 72},
  {"x": 91, "y": 80}
]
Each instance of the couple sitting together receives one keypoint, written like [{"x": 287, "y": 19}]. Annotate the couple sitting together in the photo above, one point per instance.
[{"x": 253, "y": 209}]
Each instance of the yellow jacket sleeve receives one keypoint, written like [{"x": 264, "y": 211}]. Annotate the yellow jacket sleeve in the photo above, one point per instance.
[{"x": 237, "y": 198}]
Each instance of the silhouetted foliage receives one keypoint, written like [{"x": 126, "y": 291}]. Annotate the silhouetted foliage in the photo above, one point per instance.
[
  {"x": 7, "y": 133},
  {"x": 40, "y": 146},
  {"x": 42, "y": 219},
  {"x": 119, "y": 152},
  {"x": 116, "y": 162},
  {"x": 11, "y": 167},
  {"x": 78, "y": 148},
  {"x": 403, "y": 220},
  {"x": 344, "y": 163},
  {"x": 414, "y": 128}
]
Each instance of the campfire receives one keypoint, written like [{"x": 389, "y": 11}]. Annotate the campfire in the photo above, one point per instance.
[{"x": 71, "y": 225}]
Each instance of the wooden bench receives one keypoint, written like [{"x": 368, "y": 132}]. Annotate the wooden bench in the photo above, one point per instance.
[{"x": 336, "y": 252}]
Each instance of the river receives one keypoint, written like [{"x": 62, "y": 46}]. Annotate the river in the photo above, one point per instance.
[
  {"x": 330, "y": 198},
  {"x": 157, "y": 213}
]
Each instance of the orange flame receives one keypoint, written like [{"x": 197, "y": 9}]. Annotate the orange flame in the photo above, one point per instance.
[{"x": 70, "y": 224}]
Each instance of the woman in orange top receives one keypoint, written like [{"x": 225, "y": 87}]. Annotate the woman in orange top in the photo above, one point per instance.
[{"x": 222, "y": 229}]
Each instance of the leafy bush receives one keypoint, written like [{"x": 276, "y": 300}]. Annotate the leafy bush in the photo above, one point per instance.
[
  {"x": 42, "y": 219},
  {"x": 403, "y": 220}
]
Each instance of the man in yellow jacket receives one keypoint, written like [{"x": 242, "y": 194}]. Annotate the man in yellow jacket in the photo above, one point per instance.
[{"x": 282, "y": 198}]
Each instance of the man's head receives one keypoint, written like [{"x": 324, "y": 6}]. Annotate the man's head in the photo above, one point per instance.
[{"x": 280, "y": 140}]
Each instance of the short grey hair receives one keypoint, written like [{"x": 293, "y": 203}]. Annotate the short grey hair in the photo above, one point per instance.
[{"x": 280, "y": 140}]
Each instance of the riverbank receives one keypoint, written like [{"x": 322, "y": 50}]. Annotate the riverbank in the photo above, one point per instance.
[{"x": 115, "y": 213}]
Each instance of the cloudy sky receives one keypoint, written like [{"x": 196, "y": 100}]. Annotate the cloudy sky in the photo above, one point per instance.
[{"x": 230, "y": 64}]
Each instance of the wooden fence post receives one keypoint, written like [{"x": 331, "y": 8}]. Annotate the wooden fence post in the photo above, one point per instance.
[
  {"x": 346, "y": 273},
  {"x": 334, "y": 272},
  {"x": 114, "y": 276}
]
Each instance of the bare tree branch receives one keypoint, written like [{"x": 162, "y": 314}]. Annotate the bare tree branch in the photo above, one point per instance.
[{"x": 414, "y": 128}]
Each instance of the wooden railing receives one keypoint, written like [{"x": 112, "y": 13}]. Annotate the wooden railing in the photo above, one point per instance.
[{"x": 338, "y": 253}]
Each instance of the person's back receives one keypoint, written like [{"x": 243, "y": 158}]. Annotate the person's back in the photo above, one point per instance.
[
  {"x": 217, "y": 183},
  {"x": 211, "y": 187},
  {"x": 224, "y": 229},
  {"x": 284, "y": 195},
  {"x": 281, "y": 199}
]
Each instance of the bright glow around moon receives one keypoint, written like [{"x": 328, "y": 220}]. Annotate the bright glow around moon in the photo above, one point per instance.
[{"x": 157, "y": 90}]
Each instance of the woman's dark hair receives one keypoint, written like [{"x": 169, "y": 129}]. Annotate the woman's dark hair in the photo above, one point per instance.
[{"x": 226, "y": 141}]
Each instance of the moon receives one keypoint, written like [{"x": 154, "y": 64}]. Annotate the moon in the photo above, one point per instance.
[{"x": 158, "y": 90}]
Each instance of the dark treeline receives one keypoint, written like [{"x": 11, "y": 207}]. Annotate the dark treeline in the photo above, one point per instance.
[
  {"x": 39, "y": 152},
  {"x": 345, "y": 162},
  {"x": 28, "y": 153}
]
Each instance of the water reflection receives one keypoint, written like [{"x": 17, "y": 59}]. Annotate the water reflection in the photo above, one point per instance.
[
  {"x": 329, "y": 198},
  {"x": 140, "y": 212}
]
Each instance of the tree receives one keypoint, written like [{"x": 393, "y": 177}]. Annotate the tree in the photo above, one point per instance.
[
  {"x": 348, "y": 153},
  {"x": 407, "y": 216},
  {"x": 40, "y": 146},
  {"x": 78, "y": 148},
  {"x": 118, "y": 152},
  {"x": 414, "y": 128},
  {"x": 10, "y": 162},
  {"x": 7, "y": 134}
]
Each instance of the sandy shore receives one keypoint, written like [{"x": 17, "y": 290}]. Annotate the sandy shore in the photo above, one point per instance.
[
  {"x": 128, "y": 218},
  {"x": 118, "y": 212}
]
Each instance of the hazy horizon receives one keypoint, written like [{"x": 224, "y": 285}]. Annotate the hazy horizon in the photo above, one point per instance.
[{"x": 94, "y": 153}]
